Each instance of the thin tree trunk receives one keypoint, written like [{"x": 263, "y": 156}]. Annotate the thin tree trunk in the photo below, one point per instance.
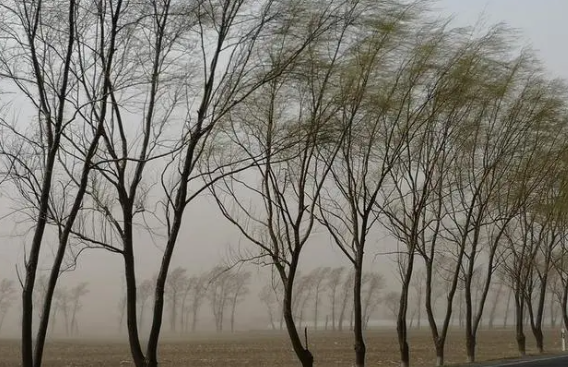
[
  {"x": 360, "y": 348},
  {"x": 519, "y": 316}
]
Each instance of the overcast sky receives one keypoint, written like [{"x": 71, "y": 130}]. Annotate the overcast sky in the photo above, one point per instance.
[
  {"x": 542, "y": 24},
  {"x": 204, "y": 238}
]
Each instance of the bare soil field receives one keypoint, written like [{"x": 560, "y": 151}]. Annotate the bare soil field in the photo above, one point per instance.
[{"x": 259, "y": 349}]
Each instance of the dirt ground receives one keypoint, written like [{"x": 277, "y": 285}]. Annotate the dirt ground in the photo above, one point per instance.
[{"x": 259, "y": 349}]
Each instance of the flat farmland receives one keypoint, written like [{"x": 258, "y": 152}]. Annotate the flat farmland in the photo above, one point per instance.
[{"x": 273, "y": 349}]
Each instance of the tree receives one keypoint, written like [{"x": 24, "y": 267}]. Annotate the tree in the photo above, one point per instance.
[
  {"x": 289, "y": 122},
  {"x": 198, "y": 292},
  {"x": 372, "y": 284},
  {"x": 40, "y": 57},
  {"x": 175, "y": 284},
  {"x": 145, "y": 290},
  {"x": 209, "y": 54},
  {"x": 334, "y": 280},
  {"x": 219, "y": 293},
  {"x": 372, "y": 99},
  {"x": 239, "y": 288},
  {"x": 7, "y": 293},
  {"x": 76, "y": 293},
  {"x": 411, "y": 204}
]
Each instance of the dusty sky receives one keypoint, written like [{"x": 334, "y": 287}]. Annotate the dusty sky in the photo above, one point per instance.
[{"x": 206, "y": 235}]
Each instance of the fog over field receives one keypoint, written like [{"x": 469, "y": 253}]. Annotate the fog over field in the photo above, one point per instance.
[{"x": 207, "y": 239}]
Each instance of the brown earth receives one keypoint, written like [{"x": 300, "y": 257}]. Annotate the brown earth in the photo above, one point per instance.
[{"x": 259, "y": 349}]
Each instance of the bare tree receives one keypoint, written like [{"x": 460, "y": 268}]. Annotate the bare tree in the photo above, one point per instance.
[
  {"x": 219, "y": 294},
  {"x": 7, "y": 293},
  {"x": 495, "y": 301},
  {"x": 175, "y": 285},
  {"x": 198, "y": 292},
  {"x": 75, "y": 294},
  {"x": 40, "y": 57},
  {"x": 334, "y": 281},
  {"x": 268, "y": 298},
  {"x": 345, "y": 298},
  {"x": 372, "y": 284},
  {"x": 145, "y": 290},
  {"x": 239, "y": 283}
]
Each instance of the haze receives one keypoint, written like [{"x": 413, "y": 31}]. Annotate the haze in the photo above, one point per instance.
[{"x": 207, "y": 239}]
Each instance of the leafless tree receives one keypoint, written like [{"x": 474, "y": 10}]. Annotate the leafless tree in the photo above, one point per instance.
[
  {"x": 76, "y": 293},
  {"x": 175, "y": 285},
  {"x": 497, "y": 291},
  {"x": 219, "y": 293},
  {"x": 372, "y": 285},
  {"x": 198, "y": 292},
  {"x": 145, "y": 290},
  {"x": 334, "y": 281},
  {"x": 391, "y": 301},
  {"x": 239, "y": 284},
  {"x": 40, "y": 58},
  {"x": 271, "y": 296},
  {"x": 345, "y": 297},
  {"x": 7, "y": 298}
]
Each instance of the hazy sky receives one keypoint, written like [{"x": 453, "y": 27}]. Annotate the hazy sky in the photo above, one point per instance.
[
  {"x": 205, "y": 236},
  {"x": 542, "y": 24}
]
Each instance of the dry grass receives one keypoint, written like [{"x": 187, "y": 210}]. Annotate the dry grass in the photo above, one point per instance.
[{"x": 267, "y": 349}]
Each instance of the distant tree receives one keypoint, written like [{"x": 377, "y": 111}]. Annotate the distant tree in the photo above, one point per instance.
[
  {"x": 318, "y": 278},
  {"x": 391, "y": 301},
  {"x": 497, "y": 292},
  {"x": 345, "y": 297},
  {"x": 175, "y": 284},
  {"x": 76, "y": 294},
  {"x": 239, "y": 288},
  {"x": 334, "y": 281},
  {"x": 219, "y": 293},
  {"x": 7, "y": 298},
  {"x": 198, "y": 292},
  {"x": 145, "y": 291},
  {"x": 372, "y": 284},
  {"x": 268, "y": 299}
]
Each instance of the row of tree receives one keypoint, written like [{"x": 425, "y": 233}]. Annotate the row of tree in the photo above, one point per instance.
[
  {"x": 224, "y": 288},
  {"x": 327, "y": 293},
  {"x": 351, "y": 116}
]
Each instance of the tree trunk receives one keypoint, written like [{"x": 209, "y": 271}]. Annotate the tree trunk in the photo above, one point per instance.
[
  {"x": 304, "y": 355},
  {"x": 131, "y": 319},
  {"x": 470, "y": 343},
  {"x": 440, "y": 352},
  {"x": 520, "y": 334},
  {"x": 360, "y": 347},
  {"x": 401, "y": 327}
]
